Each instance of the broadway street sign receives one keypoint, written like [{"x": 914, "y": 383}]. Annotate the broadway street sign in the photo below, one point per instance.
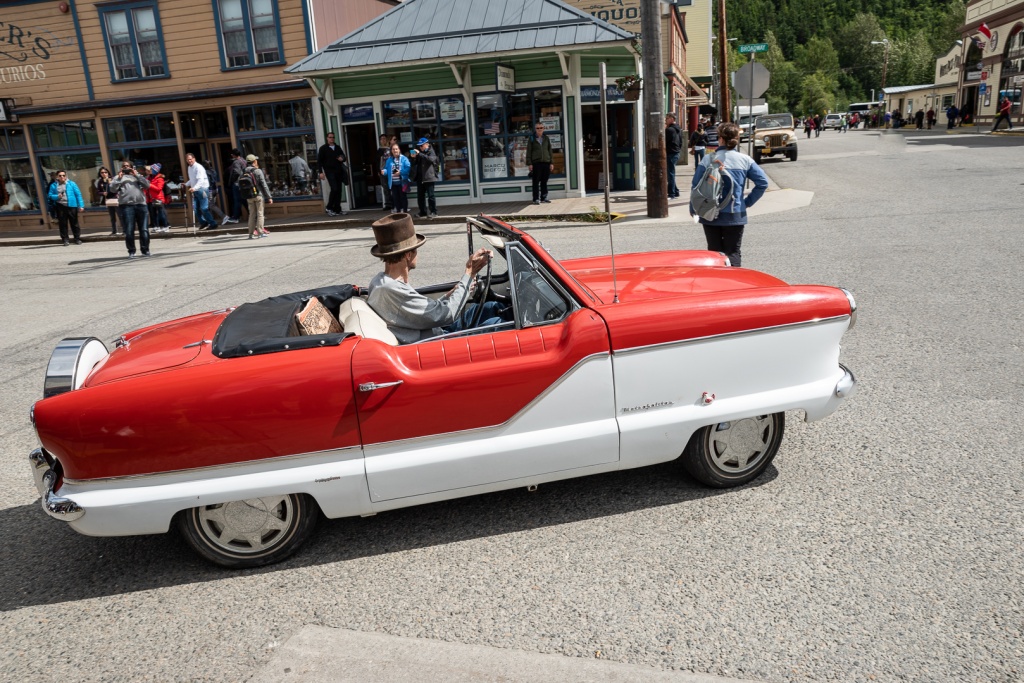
[{"x": 753, "y": 47}]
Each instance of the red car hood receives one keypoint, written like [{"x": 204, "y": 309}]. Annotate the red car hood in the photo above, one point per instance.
[
  {"x": 157, "y": 348},
  {"x": 659, "y": 278}
]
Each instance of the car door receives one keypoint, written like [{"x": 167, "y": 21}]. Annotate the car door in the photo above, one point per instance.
[{"x": 476, "y": 410}]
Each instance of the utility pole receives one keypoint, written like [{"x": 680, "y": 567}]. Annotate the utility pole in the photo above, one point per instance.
[
  {"x": 654, "y": 109},
  {"x": 724, "y": 110}
]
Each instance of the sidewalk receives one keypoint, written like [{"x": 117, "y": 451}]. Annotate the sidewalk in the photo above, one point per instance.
[{"x": 625, "y": 206}]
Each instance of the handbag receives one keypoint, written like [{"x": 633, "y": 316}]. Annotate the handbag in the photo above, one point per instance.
[
  {"x": 111, "y": 202},
  {"x": 405, "y": 187}
]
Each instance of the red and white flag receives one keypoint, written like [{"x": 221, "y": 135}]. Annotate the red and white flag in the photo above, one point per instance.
[{"x": 985, "y": 31}]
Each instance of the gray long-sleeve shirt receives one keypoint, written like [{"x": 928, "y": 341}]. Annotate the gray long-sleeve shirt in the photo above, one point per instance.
[
  {"x": 411, "y": 316},
  {"x": 130, "y": 189}
]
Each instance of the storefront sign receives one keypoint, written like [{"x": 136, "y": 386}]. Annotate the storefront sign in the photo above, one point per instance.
[
  {"x": 357, "y": 112},
  {"x": 505, "y": 77},
  {"x": 972, "y": 76},
  {"x": 556, "y": 141},
  {"x": 953, "y": 64},
  {"x": 592, "y": 93},
  {"x": 984, "y": 75},
  {"x": 551, "y": 122},
  {"x": 622, "y": 13},
  {"x": 495, "y": 167},
  {"x": 35, "y": 49}
]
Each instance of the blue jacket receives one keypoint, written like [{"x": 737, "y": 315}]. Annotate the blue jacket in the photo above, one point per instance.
[
  {"x": 739, "y": 168},
  {"x": 403, "y": 168},
  {"x": 75, "y": 200}
]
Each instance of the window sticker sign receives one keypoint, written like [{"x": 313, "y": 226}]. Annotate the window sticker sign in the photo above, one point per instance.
[{"x": 505, "y": 77}]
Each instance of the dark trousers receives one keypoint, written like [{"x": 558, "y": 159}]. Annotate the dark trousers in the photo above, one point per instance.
[
  {"x": 425, "y": 195},
  {"x": 726, "y": 239},
  {"x": 334, "y": 198},
  {"x": 541, "y": 173},
  {"x": 670, "y": 168},
  {"x": 158, "y": 216},
  {"x": 698, "y": 154},
  {"x": 68, "y": 215},
  {"x": 112, "y": 210},
  {"x": 1004, "y": 115},
  {"x": 237, "y": 203},
  {"x": 399, "y": 198},
  {"x": 133, "y": 215}
]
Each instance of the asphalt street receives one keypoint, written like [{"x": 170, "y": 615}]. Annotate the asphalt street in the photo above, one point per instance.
[{"x": 885, "y": 543}]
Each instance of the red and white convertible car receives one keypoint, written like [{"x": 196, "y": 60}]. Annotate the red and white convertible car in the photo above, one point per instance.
[{"x": 242, "y": 431}]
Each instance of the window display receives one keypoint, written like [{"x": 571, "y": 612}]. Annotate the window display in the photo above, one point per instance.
[
  {"x": 504, "y": 125},
  {"x": 17, "y": 189},
  {"x": 288, "y": 163},
  {"x": 442, "y": 120}
]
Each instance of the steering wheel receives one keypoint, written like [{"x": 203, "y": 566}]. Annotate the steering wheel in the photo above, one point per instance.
[{"x": 479, "y": 312}]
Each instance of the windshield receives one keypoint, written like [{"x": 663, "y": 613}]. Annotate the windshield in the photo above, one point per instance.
[{"x": 774, "y": 121}]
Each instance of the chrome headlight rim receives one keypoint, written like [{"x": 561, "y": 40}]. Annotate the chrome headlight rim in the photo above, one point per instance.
[{"x": 70, "y": 363}]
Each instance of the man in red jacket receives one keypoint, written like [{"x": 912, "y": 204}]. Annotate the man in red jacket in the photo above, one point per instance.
[{"x": 1004, "y": 113}]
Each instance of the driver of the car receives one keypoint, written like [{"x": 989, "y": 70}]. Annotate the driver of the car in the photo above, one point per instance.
[{"x": 409, "y": 315}]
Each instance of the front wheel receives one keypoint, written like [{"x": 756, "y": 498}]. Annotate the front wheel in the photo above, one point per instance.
[
  {"x": 733, "y": 453},
  {"x": 249, "y": 533},
  {"x": 792, "y": 155},
  {"x": 757, "y": 156}
]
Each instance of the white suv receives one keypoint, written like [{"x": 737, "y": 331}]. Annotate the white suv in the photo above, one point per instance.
[{"x": 832, "y": 121}]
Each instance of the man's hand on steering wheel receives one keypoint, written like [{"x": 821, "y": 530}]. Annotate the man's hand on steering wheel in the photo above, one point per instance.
[{"x": 479, "y": 259}]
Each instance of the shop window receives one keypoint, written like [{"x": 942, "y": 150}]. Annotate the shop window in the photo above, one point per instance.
[
  {"x": 134, "y": 45},
  {"x": 442, "y": 120},
  {"x": 141, "y": 157},
  {"x": 71, "y": 146},
  {"x": 250, "y": 33},
  {"x": 504, "y": 126},
  {"x": 139, "y": 128},
  {"x": 281, "y": 134},
  {"x": 17, "y": 188}
]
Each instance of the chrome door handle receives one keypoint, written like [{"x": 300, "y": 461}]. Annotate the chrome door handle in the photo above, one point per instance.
[{"x": 373, "y": 386}]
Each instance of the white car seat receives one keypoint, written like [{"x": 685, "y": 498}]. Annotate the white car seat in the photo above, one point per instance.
[{"x": 356, "y": 316}]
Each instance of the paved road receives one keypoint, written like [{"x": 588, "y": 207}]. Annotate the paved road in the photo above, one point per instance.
[{"x": 885, "y": 544}]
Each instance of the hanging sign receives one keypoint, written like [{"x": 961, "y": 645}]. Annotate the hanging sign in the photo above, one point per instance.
[{"x": 505, "y": 77}]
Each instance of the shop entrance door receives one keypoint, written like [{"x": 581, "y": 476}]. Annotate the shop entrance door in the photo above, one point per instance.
[
  {"x": 361, "y": 144},
  {"x": 621, "y": 142}
]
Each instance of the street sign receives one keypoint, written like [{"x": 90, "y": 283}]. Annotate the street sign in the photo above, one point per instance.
[
  {"x": 756, "y": 102},
  {"x": 982, "y": 88},
  {"x": 751, "y": 79},
  {"x": 984, "y": 75},
  {"x": 753, "y": 47}
]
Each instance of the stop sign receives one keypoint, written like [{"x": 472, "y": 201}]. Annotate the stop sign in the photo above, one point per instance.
[{"x": 751, "y": 79}]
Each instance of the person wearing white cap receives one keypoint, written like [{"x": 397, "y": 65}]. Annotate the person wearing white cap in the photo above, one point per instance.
[
  {"x": 426, "y": 176},
  {"x": 253, "y": 187}
]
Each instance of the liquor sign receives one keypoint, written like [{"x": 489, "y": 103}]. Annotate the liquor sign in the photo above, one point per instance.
[{"x": 505, "y": 77}]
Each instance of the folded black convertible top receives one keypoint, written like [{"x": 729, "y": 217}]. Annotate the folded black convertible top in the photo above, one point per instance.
[{"x": 269, "y": 326}]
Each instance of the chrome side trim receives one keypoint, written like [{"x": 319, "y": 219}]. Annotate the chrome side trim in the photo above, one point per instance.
[
  {"x": 743, "y": 333},
  {"x": 537, "y": 399},
  {"x": 853, "y": 307},
  {"x": 226, "y": 466},
  {"x": 847, "y": 386}
]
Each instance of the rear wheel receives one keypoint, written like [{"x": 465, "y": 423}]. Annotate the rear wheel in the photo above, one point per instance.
[
  {"x": 734, "y": 453},
  {"x": 249, "y": 533}
]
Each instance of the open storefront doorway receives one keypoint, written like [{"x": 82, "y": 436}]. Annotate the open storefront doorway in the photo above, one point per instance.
[
  {"x": 361, "y": 143},
  {"x": 621, "y": 141}
]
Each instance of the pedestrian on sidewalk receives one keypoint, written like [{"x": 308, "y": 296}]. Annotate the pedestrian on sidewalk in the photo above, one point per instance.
[
  {"x": 673, "y": 147},
  {"x": 198, "y": 185},
  {"x": 155, "y": 199},
  {"x": 234, "y": 173},
  {"x": 1005, "y": 106},
  {"x": 698, "y": 143},
  {"x": 396, "y": 173},
  {"x": 930, "y": 116},
  {"x": 808, "y": 126},
  {"x": 817, "y": 125},
  {"x": 253, "y": 186},
  {"x": 538, "y": 158},
  {"x": 725, "y": 233},
  {"x": 108, "y": 198},
  {"x": 67, "y": 201},
  {"x": 383, "y": 152},
  {"x": 919, "y": 119},
  {"x": 130, "y": 186},
  {"x": 425, "y": 159},
  {"x": 331, "y": 161},
  {"x": 951, "y": 113}
]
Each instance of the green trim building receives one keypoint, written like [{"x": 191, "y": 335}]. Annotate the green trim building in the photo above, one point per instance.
[{"x": 430, "y": 68}]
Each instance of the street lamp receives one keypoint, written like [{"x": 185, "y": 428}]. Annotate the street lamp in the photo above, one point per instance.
[{"x": 885, "y": 62}]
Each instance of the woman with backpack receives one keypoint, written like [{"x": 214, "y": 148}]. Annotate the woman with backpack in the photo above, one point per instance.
[{"x": 723, "y": 230}]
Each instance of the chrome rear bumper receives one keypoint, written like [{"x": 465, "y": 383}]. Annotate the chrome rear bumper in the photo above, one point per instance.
[
  {"x": 57, "y": 507},
  {"x": 847, "y": 386}
]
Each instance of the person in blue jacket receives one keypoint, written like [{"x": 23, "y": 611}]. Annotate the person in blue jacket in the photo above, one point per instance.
[
  {"x": 396, "y": 171},
  {"x": 67, "y": 201},
  {"x": 725, "y": 233}
]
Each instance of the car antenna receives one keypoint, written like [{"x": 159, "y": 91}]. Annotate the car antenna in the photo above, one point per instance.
[{"x": 607, "y": 176}]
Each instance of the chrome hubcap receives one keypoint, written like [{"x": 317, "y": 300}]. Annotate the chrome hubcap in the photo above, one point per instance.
[
  {"x": 739, "y": 446},
  {"x": 247, "y": 526}
]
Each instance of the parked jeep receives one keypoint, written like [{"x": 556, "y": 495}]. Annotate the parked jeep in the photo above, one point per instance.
[{"x": 774, "y": 134}]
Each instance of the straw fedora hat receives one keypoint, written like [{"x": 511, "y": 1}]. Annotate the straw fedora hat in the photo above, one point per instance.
[{"x": 395, "y": 234}]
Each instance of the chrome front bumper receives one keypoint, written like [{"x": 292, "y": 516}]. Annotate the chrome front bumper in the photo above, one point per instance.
[
  {"x": 57, "y": 507},
  {"x": 847, "y": 386}
]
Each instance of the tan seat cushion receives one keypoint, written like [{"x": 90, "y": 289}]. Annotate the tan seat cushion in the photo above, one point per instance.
[
  {"x": 357, "y": 317},
  {"x": 316, "y": 319}
]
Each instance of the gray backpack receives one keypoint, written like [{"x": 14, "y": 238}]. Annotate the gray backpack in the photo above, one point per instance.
[{"x": 713, "y": 192}]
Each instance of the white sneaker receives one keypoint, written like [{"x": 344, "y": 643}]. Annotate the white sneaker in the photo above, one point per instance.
[
  {"x": 331, "y": 213},
  {"x": 227, "y": 219},
  {"x": 230, "y": 220}
]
